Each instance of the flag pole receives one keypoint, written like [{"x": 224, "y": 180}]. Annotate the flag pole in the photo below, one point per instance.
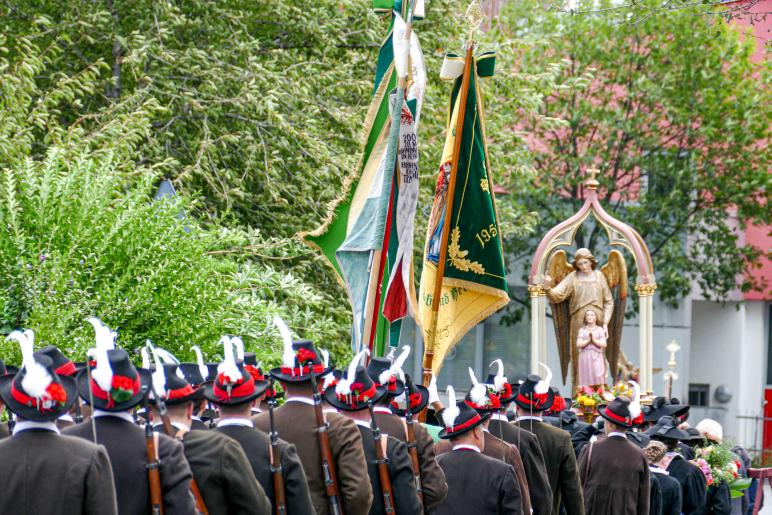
[
  {"x": 373, "y": 304},
  {"x": 462, "y": 98}
]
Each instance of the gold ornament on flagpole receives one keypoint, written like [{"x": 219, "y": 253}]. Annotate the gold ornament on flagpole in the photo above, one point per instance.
[{"x": 474, "y": 17}]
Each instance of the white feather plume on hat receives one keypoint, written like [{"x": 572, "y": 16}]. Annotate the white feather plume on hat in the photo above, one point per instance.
[
  {"x": 36, "y": 377},
  {"x": 105, "y": 340},
  {"x": 202, "y": 369},
  {"x": 145, "y": 356},
  {"x": 239, "y": 343},
  {"x": 159, "y": 374},
  {"x": 396, "y": 366},
  {"x": 543, "y": 386},
  {"x": 228, "y": 366},
  {"x": 344, "y": 385},
  {"x": 451, "y": 413},
  {"x": 499, "y": 380},
  {"x": 478, "y": 393},
  {"x": 635, "y": 403},
  {"x": 329, "y": 378},
  {"x": 288, "y": 355}
]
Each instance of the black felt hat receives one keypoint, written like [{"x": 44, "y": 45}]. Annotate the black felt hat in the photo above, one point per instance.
[
  {"x": 661, "y": 407},
  {"x": 666, "y": 428},
  {"x": 7, "y": 369},
  {"x": 304, "y": 363},
  {"x": 62, "y": 364},
  {"x": 527, "y": 397},
  {"x": 58, "y": 392},
  {"x": 460, "y": 420},
  {"x": 500, "y": 386},
  {"x": 416, "y": 394},
  {"x": 354, "y": 394},
  {"x": 177, "y": 389},
  {"x": 378, "y": 370},
  {"x": 193, "y": 375},
  {"x": 618, "y": 412},
  {"x": 230, "y": 390},
  {"x": 127, "y": 388},
  {"x": 694, "y": 435},
  {"x": 641, "y": 440}
]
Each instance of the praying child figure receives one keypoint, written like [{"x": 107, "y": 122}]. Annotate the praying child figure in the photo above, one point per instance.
[{"x": 591, "y": 342}]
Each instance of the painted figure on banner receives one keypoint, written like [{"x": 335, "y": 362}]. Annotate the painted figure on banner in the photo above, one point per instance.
[
  {"x": 438, "y": 214},
  {"x": 575, "y": 290}
]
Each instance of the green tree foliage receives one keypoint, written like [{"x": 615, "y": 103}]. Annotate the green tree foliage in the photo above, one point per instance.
[
  {"x": 672, "y": 110},
  {"x": 82, "y": 237}
]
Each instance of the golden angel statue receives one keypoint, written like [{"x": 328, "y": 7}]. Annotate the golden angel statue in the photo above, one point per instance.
[{"x": 575, "y": 290}]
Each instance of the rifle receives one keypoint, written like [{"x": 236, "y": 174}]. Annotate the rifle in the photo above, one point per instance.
[
  {"x": 412, "y": 447},
  {"x": 169, "y": 431},
  {"x": 276, "y": 472},
  {"x": 328, "y": 464},
  {"x": 383, "y": 463},
  {"x": 153, "y": 465}
]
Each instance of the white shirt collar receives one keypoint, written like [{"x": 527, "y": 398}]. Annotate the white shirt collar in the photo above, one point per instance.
[
  {"x": 177, "y": 425},
  {"x": 381, "y": 409},
  {"x": 235, "y": 422},
  {"x": 196, "y": 418},
  {"x": 658, "y": 470},
  {"x": 66, "y": 418},
  {"x": 26, "y": 425},
  {"x": 304, "y": 400},
  {"x": 363, "y": 423},
  {"x": 530, "y": 417},
  {"x": 499, "y": 416},
  {"x": 256, "y": 410},
  {"x": 467, "y": 447},
  {"x": 617, "y": 433},
  {"x": 118, "y": 414}
]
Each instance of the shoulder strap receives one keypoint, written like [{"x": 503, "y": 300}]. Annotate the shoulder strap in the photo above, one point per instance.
[{"x": 587, "y": 467}]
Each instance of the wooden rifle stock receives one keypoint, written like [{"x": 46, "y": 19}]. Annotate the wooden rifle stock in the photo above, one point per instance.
[
  {"x": 412, "y": 446},
  {"x": 383, "y": 464},
  {"x": 153, "y": 466},
  {"x": 280, "y": 496},
  {"x": 328, "y": 464}
]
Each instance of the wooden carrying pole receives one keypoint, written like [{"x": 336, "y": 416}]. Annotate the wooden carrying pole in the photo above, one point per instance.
[{"x": 462, "y": 96}]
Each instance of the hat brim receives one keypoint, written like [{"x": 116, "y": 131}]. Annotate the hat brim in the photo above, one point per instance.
[
  {"x": 331, "y": 399},
  {"x": 668, "y": 410},
  {"x": 421, "y": 405},
  {"x": 445, "y": 434},
  {"x": 30, "y": 413},
  {"x": 672, "y": 434},
  {"x": 399, "y": 389},
  {"x": 208, "y": 389},
  {"x": 101, "y": 404},
  {"x": 602, "y": 413},
  {"x": 197, "y": 394},
  {"x": 547, "y": 405},
  {"x": 289, "y": 378}
]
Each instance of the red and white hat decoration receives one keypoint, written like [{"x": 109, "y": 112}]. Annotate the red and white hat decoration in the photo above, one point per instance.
[
  {"x": 37, "y": 382},
  {"x": 636, "y": 413},
  {"x": 104, "y": 341},
  {"x": 543, "y": 386},
  {"x": 343, "y": 387},
  {"x": 478, "y": 394},
  {"x": 451, "y": 412},
  {"x": 228, "y": 369},
  {"x": 329, "y": 379},
  {"x": 395, "y": 370}
]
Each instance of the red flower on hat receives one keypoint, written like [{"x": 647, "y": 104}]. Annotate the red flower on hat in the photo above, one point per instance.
[
  {"x": 304, "y": 355},
  {"x": 223, "y": 379},
  {"x": 507, "y": 393},
  {"x": 494, "y": 401},
  {"x": 56, "y": 393},
  {"x": 122, "y": 383},
  {"x": 254, "y": 372},
  {"x": 558, "y": 405},
  {"x": 357, "y": 387},
  {"x": 415, "y": 399}
]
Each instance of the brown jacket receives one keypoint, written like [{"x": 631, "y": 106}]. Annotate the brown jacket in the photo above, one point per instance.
[
  {"x": 501, "y": 450},
  {"x": 432, "y": 477},
  {"x": 296, "y": 423}
]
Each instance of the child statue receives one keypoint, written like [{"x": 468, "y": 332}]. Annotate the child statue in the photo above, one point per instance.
[{"x": 591, "y": 341}]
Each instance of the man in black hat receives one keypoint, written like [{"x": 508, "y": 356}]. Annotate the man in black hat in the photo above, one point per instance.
[
  {"x": 42, "y": 472},
  {"x": 533, "y": 398},
  {"x": 525, "y": 442},
  {"x": 220, "y": 468},
  {"x": 693, "y": 484},
  {"x": 197, "y": 374},
  {"x": 234, "y": 392},
  {"x": 476, "y": 483},
  {"x": 352, "y": 395},
  {"x": 485, "y": 400},
  {"x": 295, "y": 421},
  {"x": 390, "y": 417},
  {"x": 116, "y": 387},
  {"x": 615, "y": 474}
]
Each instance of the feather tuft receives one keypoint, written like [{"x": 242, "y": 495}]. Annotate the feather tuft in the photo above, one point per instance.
[
  {"x": 635, "y": 403},
  {"x": 499, "y": 380},
  {"x": 451, "y": 413},
  {"x": 478, "y": 393},
  {"x": 344, "y": 385},
  {"x": 544, "y": 385},
  {"x": 202, "y": 369},
  {"x": 288, "y": 356},
  {"x": 239, "y": 343},
  {"x": 36, "y": 377},
  {"x": 159, "y": 375},
  {"x": 105, "y": 340},
  {"x": 228, "y": 366},
  {"x": 145, "y": 358}
]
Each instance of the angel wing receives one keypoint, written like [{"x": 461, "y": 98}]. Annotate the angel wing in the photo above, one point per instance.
[
  {"x": 615, "y": 271},
  {"x": 558, "y": 268}
]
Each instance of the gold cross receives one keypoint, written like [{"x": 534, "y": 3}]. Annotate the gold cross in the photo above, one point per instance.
[{"x": 593, "y": 173}]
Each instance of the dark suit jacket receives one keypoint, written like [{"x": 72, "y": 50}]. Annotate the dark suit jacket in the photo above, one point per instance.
[
  {"x": 296, "y": 424},
  {"x": 405, "y": 498},
  {"x": 432, "y": 477},
  {"x": 47, "y": 474},
  {"x": 670, "y": 491},
  {"x": 718, "y": 502},
  {"x": 125, "y": 444},
  {"x": 561, "y": 466},
  {"x": 692, "y": 481},
  {"x": 4, "y": 432},
  {"x": 198, "y": 425},
  {"x": 478, "y": 484},
  {"x": 615, "y": 476},
  {"x": 223, "y": 475},
  {"x": 501, "y": 450},
  {"x": 530, "y": 451},
  {"x": 257, "y": 446}
]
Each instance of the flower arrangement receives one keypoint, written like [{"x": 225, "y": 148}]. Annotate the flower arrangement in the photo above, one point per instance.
[
  {"x": 588, "y": 398},
  {"x": 718, "y": 463}
]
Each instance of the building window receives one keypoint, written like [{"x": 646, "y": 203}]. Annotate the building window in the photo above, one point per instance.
[{"x": 699, "y": 394}]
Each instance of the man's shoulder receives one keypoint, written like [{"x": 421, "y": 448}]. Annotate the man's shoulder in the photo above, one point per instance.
[
  {"x": 552, "y": 432},
  {"x": 474, "y": 461},
  {"x": 340, "y": 422}
]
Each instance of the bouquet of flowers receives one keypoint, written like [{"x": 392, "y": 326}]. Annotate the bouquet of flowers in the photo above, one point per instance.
[
  {"x": 587, "y": 398},
  {"x": 718, "y": 463}
]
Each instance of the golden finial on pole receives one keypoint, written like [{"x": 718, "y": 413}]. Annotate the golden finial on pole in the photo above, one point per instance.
[
  {"x": 474, "y": 18},
  {"x": 592, "y": 183}
]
